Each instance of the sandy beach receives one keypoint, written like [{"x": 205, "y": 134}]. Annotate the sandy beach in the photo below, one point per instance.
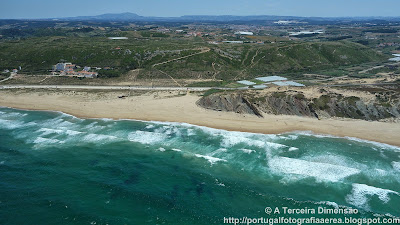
[{"x": 174, "y": 106}]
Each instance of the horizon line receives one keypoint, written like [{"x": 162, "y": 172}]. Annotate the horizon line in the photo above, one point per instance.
[{"x": 219, "y": 15}]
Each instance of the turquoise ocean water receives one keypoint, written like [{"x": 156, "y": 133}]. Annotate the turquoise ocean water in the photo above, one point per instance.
[{"x": 59, "y": 169}]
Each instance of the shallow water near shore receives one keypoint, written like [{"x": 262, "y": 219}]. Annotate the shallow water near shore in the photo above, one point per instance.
[{"x": 59, "y": 169}]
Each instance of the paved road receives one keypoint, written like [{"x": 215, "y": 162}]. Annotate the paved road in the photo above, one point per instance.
[
  {"x": 343, "y": 85},
  {"x": 139, "y": 88},
  {"x": 113, "y": 87}
]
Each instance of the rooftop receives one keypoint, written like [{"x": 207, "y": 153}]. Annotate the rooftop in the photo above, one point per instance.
[
  {"x": 271, "y": 78},
  {"x": 246, "y": 82},
  {"x": 118, "y": 38},
  {"x": 288, "y": 83},
  {"x": 261, "y": 86}
]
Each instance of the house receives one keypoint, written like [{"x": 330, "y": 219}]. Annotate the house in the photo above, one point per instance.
[
  {"x": 87, "y": 74},
  {"x": 70, "y": 67},
  {"x": 60, "y": 66}
]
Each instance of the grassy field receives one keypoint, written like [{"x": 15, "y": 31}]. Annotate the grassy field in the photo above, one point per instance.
[{"x": 222, "y": 63}]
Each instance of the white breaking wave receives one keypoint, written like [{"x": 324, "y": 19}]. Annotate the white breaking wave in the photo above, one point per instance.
[
  {"x": 381, "y": 172},
  {"x": 73, "y": 132},
  {"x": 234, "y": 138},
  {"x": 190, "y": 132},
  {"x": 14, "y": 124},
  {"x": 396, "y": 166},
  {"x": 45, "y": 140},
  {"x": 161, "y": 149},
  {"x": 46, "y": 131},
  {"x": 328, "y": 203},
  {"x": 320, "y": 171},
  {"x": 211, "y": 159},
  {"x": 377, "y": 144},
  {"x": 97, "y": 138},
  {"x": 149, "y": 126},
  {"x": 10, "y": 124},
  {"x": 219, "y": 183},
  {"x": 361, "y": 192},
  {"x": 248, "y": 151},
  {"x": 15, "y": 115},
  {"x": 145, "y": 137}
]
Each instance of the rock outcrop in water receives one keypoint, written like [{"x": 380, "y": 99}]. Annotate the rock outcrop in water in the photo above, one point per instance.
[{"x": 326, "y": 106}]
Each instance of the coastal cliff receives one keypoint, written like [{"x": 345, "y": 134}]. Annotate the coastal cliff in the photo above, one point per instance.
[
  {"x": 229, "y": 103},
  {"x": 327, "y": 105}
]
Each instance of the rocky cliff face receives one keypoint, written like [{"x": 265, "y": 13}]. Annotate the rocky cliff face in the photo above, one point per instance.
[
  {"x": 326, "y": 106},
  {"x": 229, "y": 103},
  {"x": 330, "y": 105}
]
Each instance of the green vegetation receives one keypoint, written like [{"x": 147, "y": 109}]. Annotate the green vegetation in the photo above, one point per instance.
[
  {"x": 153, "y": 34},
  {"x": 321, "y": 103},
  {"x": 279, "y": 95},
  {"x": 352, "y": 100},
  {"x": 299, "y": 97},
  {"x": 222, "y": 62},
  {"x": 109, "y": 73}
]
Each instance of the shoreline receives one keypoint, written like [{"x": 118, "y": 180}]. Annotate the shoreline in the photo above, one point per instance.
[
  {"x": 182, "y": 109},
  {"x": 202, "y": 126}
]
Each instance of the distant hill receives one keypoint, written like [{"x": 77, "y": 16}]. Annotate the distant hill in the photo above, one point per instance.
[
  {"x": 110, "y": 17},
  {"x": 127, "y": 16}
]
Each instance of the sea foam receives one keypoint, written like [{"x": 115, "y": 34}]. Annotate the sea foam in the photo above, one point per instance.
[
  {"x": 145, "y": 137},
  {"x": 211, "y": 159},
  {"x": 396, "y": 166},
  {"x": 360, "y": 193},
  {"x": 320, "y": 171}
]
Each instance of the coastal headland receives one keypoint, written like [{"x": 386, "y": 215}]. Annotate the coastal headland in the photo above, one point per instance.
[{"x": 180, "y": 106}]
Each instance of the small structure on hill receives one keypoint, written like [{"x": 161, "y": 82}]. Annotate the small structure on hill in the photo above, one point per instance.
[
  {"x": 68, "y": 69},
  {"x": 118, "y": 38},
  {"x": 271, "y": 78},
  {"x": 246, "y": 82},
  {"x": 244, "y": 33},
  {"x": 288, "y": 83}
]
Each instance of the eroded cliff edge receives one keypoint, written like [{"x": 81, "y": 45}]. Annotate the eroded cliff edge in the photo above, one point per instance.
[{"x": 325, "y": 104}]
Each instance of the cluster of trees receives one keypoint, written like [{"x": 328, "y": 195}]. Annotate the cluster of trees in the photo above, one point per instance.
[{"x": 110, "y": 73}]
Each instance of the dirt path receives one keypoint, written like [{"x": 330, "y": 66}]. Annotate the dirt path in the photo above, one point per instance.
[
  {"x": 176, "y": 82},
  {"x": 203, "y": 50},
  {"x": 9, "y": 78}
]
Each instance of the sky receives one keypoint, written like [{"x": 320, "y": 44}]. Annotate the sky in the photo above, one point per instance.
[{"x": 18, "y": 9}]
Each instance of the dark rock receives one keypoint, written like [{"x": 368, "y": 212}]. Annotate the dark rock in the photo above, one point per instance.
[
  {"x": 282, "y": 103},
  {"x": 229, "y": 103}
]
